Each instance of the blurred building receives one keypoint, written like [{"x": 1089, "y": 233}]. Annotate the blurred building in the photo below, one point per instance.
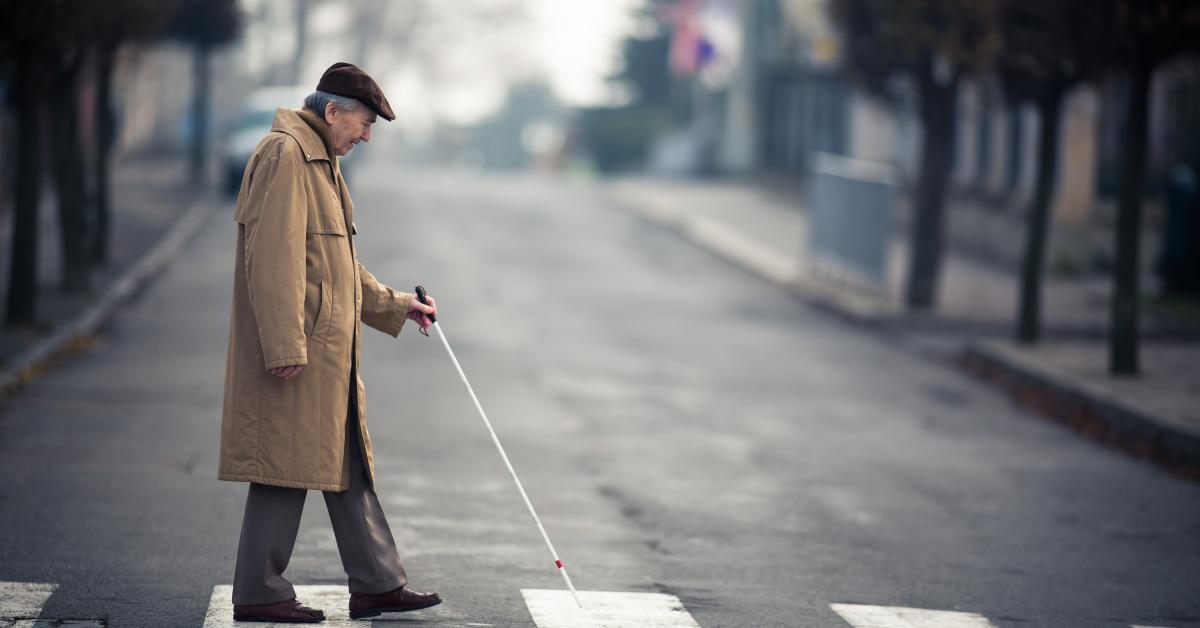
[
  {"x": 768, "y": 98},
  {"x": 153, "y": 95}
]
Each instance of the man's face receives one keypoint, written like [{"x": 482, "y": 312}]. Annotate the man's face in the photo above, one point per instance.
[{"x": 349, "y": 127}]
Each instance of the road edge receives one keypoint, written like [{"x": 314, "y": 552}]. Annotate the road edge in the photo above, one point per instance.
[
  {"x": 1086, "y": 408},
  {"x": 74, "y": 334}
]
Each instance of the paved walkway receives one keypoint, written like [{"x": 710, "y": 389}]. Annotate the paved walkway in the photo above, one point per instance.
[
  {"x": 766, "y": 233},
  {"x": 772, "y": 230},
  {"x": 149, "y": 194}
]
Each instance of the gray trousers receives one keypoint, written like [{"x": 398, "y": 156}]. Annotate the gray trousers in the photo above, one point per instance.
[{"x": 272, "y": 520}]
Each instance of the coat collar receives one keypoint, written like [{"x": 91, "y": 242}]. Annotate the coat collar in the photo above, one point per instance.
[
  {"x": 309, "y": 130},
  {"x": 313, "y": 135}
]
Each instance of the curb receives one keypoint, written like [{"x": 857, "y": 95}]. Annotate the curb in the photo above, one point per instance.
[
  {"x": 76, "y": 333},
  {"x": 1086, "y": 408}
]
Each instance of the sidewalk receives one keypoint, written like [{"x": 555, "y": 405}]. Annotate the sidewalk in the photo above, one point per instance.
[
  {"x": 151, "y": 201},
  {"x": 1156, "y": 414}
]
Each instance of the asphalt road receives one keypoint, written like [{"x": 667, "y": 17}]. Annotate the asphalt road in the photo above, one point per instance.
[{"x": 681, "y": 427}]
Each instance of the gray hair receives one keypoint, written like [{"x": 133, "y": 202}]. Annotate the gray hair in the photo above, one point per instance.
[{"x": 316, "y": 101}]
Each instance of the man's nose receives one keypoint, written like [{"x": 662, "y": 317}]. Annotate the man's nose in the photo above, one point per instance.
[{"x": 366, "y": 136}]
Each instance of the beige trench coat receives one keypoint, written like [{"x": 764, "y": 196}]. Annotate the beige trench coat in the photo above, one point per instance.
[{"x": 298, "y": 295}]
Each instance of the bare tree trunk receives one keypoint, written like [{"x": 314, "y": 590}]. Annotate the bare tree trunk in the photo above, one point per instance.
[
  {"x": 983, "y": 139},
  {"x": 21, "y": 304},
  {"x": 1012, "y": 175},
  {"x": 106, "y": 135},
  {"x": 1029, "y": 305},
  {"x": 69, "y": 177},
  {"x": 302, "y": 11},
  {"x": 1123, "y": 328},
  {"x": 370, "y": 16},
  {"x": 938, "y": 111},
  {"x": 200, "y": 94}
]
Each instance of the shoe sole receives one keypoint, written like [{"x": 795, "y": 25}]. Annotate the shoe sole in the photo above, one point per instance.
[
  {"x": 272, "y": 620},
  {"x": 375, "y": 612}
]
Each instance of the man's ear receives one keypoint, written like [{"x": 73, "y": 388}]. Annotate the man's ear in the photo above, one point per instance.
[{"x": 330, "y": 111}]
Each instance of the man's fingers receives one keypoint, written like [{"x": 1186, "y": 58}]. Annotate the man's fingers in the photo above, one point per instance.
[
  {"x": 426, "y": 308},
  {"x": 286, "y": 372},
  {"x": 421, "y": 313}
]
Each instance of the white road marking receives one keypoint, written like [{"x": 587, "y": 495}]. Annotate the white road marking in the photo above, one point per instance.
[
  {"x": 864, "y": 616},
  {"x": 57, "y": 623},
  {"x": 23, "y": 600},
  {"x": 334, "y": 600},
  {"x": 606, "y": 609}
]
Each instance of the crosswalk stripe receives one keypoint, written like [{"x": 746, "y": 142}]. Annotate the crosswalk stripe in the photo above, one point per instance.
[
  {"x": 23, "y": 600},
  {"x": 865, "y": 616},
  {"x": 21, "y": 604},
  {"x": 55, "y": 623},
  {"x": 334, "y": 600},
  {"x": 549, "y": 609},
  {"x": 606, "y": 609}
]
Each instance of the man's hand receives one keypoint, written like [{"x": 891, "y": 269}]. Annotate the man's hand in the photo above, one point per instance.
[
  {"x": 287, "y": 372},
  {"x": 419, "y": 312}
]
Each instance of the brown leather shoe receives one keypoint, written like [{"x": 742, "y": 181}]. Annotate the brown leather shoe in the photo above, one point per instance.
[
  {"x": 285, "y": 612},
  {"x": 398, "y": 601}
]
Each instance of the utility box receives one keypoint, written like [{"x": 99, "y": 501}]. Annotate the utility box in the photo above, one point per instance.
[{"x": 852, "y": 206}]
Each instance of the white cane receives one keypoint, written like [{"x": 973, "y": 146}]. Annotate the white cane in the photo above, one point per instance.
[{"x": 500, "y": 448}]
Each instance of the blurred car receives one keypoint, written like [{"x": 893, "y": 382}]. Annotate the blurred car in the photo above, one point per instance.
[{"x": 253, "y": 122}]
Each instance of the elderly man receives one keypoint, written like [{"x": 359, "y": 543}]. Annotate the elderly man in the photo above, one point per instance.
[{"x": 294, "y": 412}]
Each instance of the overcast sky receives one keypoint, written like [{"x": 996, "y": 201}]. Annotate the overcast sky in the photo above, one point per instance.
[
  {"x": 580, "y": 41},
  {"x": 571, "y": 44}
]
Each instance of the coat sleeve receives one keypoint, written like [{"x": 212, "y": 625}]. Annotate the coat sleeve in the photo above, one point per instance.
[
  {"x": 276, "y": 223},
  {"x": 383, "y": 308}
]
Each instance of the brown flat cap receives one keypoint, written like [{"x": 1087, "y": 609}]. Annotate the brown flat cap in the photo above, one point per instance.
[{"x": 346, "y": 79}]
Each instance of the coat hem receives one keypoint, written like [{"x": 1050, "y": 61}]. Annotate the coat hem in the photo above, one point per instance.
[{"x": 258, "y": 479}]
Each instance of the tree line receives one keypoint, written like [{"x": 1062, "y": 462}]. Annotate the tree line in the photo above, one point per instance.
[
  {"x": 47, "y": 48},
  {"x": 1038, "y": 50}
]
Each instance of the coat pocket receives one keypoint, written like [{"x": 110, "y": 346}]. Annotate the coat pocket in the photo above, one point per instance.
[
  {"x": 326, "y": 216},
  {"x": 328, "y": 225},
  {"x": 324, "y": 320}
]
